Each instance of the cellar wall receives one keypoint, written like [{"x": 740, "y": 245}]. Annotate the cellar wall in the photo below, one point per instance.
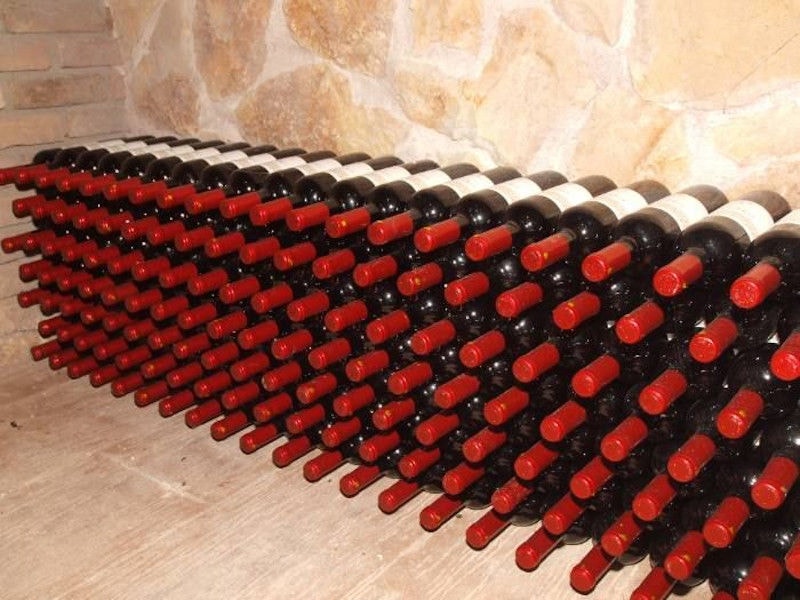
[
  {"x": 684, "y": 92},
  {"x": 60, "y": 74}
]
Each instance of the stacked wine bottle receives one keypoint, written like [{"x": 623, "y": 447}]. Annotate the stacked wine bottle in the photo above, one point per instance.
[{"x": 604, "y": 363}]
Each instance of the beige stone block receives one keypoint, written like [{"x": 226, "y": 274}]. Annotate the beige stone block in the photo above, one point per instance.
[
  {"x": 781, "y": 176},
  {"x": 455, "y": 23},
  {"x": 534, "y": 79},
  {"x": 163, "y": 85},
  {"x": 170, "y": 102},
  {"x": 26, "y": 16},
  {"x": 281, "y": 110},
  {"x": 669, "y": 159},
  {"x": 31, "y": 127},
  {"x": 94, "y": 119},
  {"x": 774, "y": 131},
  {"x": 354, "y": 33},
  {"x": 89, "y": 51},
  {"x": 2, "y": 99},
  {"x": 714, "y": 54},
  {"x": 230, "y": 44},
  {"x": 429, "y": 97},
  {"x": 620, "y": 132},
  {"x": 60, "y": 90},
  {"x": 24, "y": 53},
  {"x": 598, "y": 18},
  {"x": 130, "y": 18}
]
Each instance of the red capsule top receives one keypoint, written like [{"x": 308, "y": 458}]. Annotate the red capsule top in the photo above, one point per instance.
[
  {"x": 287, "y": 346},
  {"x": 776, "y": 480},
  {"x": 333, "y": 264},
  {"x": 709, "y": 344},
  {"x": 383, "y": 328},
  {"x": 469, "y": 287},
  {"x": 752, "y": 288},
  {"x": 438, "y": 235},
  {"x": 269, "y": 212},
  {"x": 456, "y": 390},
  {"x": 276, "y": 296},
  {"x": 482, "y": 348},
  {"x": 299, "y": 219},
  {"x": 409, "y": 377},
  {"x": 114, "y": 190},
  {"x": 592, "y": 378},
  {"x": 257, "y": 334},
  {"x": 434, "y": 336},
  {"x": 204, "y": 201},
  {"x": 488, "y": 243},
  {"x": 390, "y": 229},
  {"x": 545, "y": 253},
  {"x": 370, "y": 273},
  {"x": 599, "y": 266},
  {"x": 177, "y": 275},
  {"x": 513, "y": 302},
  {"x": 559, "y": 423},
  {"x": 299, "y": 254},
  {"x": 571, "y": 313},
  {"x": 260, "y": 250},
  {"x": 175, "y": 196},
  {"x": 368, "y": 364},
  {"x": 739, "y": 415},
  {"x": 206, "y": 283},
  {"x": 329, "y": 353},
  {"x": 658, "y": 396},
  {"x": 785, "y": 363},
  {"x": 339, "y": 319},
  {"x": 224, "y": 244},
  {"x": 238, "y": 206},
  {"x": 503, "y": 407},
  {"x": 166, "y": 232},
  {"x": 194, "y": 238},
  {"x": 618, "y": 443},
  {"x": 303, "y": 308},
  {"x": 674, "y": 278},
  {"x": 639, "y": 323},
  {"x": 146, "y": 192},
  {"x": 419, "y": 279},
  {"x": 532, "y": 364},
  {"x": 236, "y": 291},
  {"x": 348, "y": 222},
  {"x": 687, "y": 461}
]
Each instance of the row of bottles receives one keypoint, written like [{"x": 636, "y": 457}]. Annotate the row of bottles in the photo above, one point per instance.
[{"x": 611, "y": 363}]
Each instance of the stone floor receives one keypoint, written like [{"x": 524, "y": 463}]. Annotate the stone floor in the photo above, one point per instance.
[{"x": 100, "y": 499}]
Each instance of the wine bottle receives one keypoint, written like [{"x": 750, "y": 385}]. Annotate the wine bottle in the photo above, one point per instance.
[
  {"x": 712, "y": 250},
  {"x": 483, "y": 209},
  {"x": 774, "y": 265},
  {"x": 531, "y": 219},
  {"x": 779, "y": 447},
  {"x": 585, "y": 228},
  {"x": 645, "y": 239}
]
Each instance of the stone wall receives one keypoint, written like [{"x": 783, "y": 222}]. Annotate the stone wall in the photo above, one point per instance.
[
  {"x": 59, "y": 73},
  {"x": 687, "y": 93}
]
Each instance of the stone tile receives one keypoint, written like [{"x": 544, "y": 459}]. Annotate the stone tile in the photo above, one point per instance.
[
  {"x": 353, "y": 33},
  {"x": 319, "y": 93},
  {"x": 455, "y": 23},
  {"x": 712, "y": 56},
  {"x": 535, "y": 79},
  {"x": 599, "y": 18},
  {"x": 229, "y": 44},
  {"x": 64, "y": 89},
  {"x": 771, "y": 132},
  {"x": 620, "y": 132},
  {"x": 24, "y": 16}
]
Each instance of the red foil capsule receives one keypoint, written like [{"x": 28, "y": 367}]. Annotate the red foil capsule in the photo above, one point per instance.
[
  {"x": 571, "y": 313},
  {"x": 274, "y": 297},
  {"x": 752, "y": 288},
  {"x": 661, "y": 393},
  {"x": 339, "y": 319},
  {"x": 225, "y": 244},
  {"x": 534, "y": 461},
  {"x": 485, "y": 529},
  {"x": 282, "y": 376},
  {"x": 506, "y": 405},
  {"x": 351, "y": 401},
  {"x": 392, "y": 228},
  {"x": 651, "y": 501},
  {"x": 592, "y": 378},
  {"x": 396, "y": 495},
  {"x": 211, "y": 385},
  {"x": 299, "y": 219},
  {"x": 176, "y": 403},
  {"x": 409, "y": 377},
  {"x": 240, "y": 395},
  {"x": 329, "y": 353},
  {"x": 358, "y": 479},
  {"x": 312, "y": 390},
  {"x": 776, "y": 480},
  {"x": 258, "y": 438},
  {"x": 460, "y": 477},
  {"x": 566, "y": 418},
  {"x": 236, "y": 291},
  {"x": 482, "y": 348},
  {"x": 545, "y": 253},
  {"x": 227, "y": 325},
  {"x": 453, "y": 392},
  {"x": 639, "y": 323},
  {"x": 386, "y": 327},
  {"x": 681, "y": 562},
  {"x": 165, "y": 232},
  {"x": 358, "y": 369},
  {"x": 194, "y": 238},
  {"x": 308, "y": 306},
  {"x": 177, "y": 275},
  {"x": 270, "y": 212},
  {"x": 709, "y": 344},
  {"x": 432, "y": 337},
  {"x": 417, "y": 280},
  {"x": 238, "y": 206},
  {"x": 599, "y": 266},
  {"x": 333, "y": 264},
  {"x": 515, "y": 301},
  {"x": 272, "y": 407},
  {"x": 785, "y": 363},
  {"x": 259, "y": 251},
  {"x": 687, "y": 461},
  {"x": 203, "y": 413},
  {"x": 672, "y": 279},
  {"x": 379, "y": 269},
  {"x": 191, "y": 346},
  {"x": 393, "y": 413},
  {"x": 348, "y": 222},
  {"x": 294, "y": 256}
]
